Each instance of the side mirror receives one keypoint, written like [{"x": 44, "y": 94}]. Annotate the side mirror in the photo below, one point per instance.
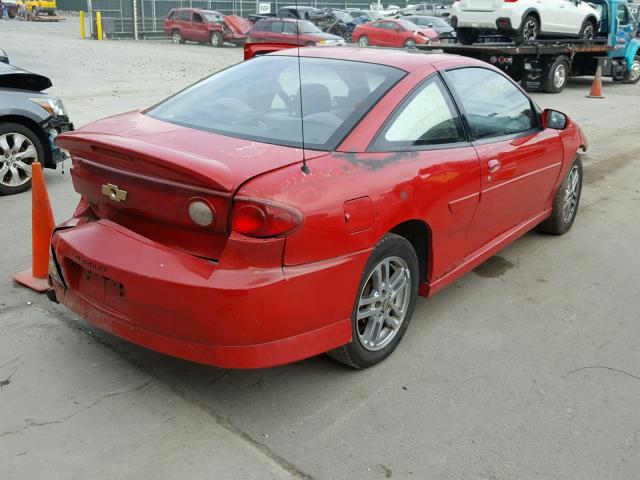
[{"x": 554, "y": 119}]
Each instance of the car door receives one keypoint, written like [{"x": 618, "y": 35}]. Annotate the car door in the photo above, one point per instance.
[
  {"x": 184, "y": 22},
  {"x": 520, "y": 162},
  {"x": 199, "y": 30},
  {"x": 569, "y": 18},
  {"x": 289, "y": 34},
  {"x": 426, "y": 128},
  {"x": 390, "y": 34}
]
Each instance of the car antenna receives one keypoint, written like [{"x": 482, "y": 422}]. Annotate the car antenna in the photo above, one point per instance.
[{"x": 304, "y": 168}]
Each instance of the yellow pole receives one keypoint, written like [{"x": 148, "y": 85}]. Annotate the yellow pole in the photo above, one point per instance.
[
  {"x": 99, "y": 25},
  {"x": 81, "y": 24}
]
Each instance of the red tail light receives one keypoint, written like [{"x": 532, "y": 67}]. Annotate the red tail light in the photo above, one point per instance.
[
  {"x": 510, "y": 1},
  {"x": 263, "y": 220}
]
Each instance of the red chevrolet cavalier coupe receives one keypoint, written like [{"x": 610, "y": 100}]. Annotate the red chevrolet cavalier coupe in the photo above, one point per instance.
[
  {"x": 393, "y": 33},
  {"x": 258, "y": 217}
]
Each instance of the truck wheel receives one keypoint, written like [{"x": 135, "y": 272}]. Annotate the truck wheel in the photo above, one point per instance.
[
  {"x": 588, "y": 30},
  {"x": 467, "y": 36},
  {"x": 19, "y": 148},
  {"x": 633, "y": 75},
  {"x": 216, "y": 39},
  {"x": 384, "y": 304},
  {"x": 558, "y": 76},
  {"x": 529, "y": 30},
  {"x": 176, "y": 37},
  {"x": 565, "y": 202}
]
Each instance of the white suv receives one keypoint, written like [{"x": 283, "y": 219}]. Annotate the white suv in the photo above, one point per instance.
[{"x": 524, "y": 20}]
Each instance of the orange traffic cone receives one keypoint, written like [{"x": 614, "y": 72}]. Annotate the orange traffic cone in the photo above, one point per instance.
[
  {"x": 596, "y": 86},
  {"x": 41, "y": 229}
]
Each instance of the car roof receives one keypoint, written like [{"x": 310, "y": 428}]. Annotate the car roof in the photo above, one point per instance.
[{"x": 404, "y": 59}]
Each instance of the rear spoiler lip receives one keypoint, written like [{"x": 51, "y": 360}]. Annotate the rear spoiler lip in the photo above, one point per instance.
[
  {"x": 206, "y": 171},
  {"x": 252, "y": 49}
]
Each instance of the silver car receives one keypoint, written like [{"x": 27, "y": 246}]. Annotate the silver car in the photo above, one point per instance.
[{"x": 29, "y": 121}]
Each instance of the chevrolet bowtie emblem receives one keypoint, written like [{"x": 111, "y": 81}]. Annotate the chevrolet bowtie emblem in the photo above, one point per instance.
[{"x": 114, "y": 193}]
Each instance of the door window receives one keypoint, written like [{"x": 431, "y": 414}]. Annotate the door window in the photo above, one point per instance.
[
  {"x": 493, "y": 106},
  {"x": 275, "y": 27},
  {"x": 197, "y": 18},
  {"x": 288, "y": 27},
  {"x": 184, "y": 15},
  {"x": 622, "y": 13},
  {"x": 389, "y": 25},
  {"x": 427, "y": 117}
]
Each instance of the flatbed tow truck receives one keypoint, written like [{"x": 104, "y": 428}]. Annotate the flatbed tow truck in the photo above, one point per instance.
[{"x": 546, "y": 65}]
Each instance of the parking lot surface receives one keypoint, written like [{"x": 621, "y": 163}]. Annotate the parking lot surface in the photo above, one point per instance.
[{"x": 526, "y": 368}]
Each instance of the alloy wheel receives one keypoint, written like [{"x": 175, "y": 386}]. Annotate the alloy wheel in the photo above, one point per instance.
[
  {"x": 588, "y": 32},
  {"x": 17, "y": 153},
  {"x": 176, "y": 37},
  {"x": 634, "y": 73},
  {"x": 383, "y": 303},
  {"x": 571, "y": 192},
  {"x": 560, "y": 76},
  {"x": 363, "y": 41},
  {"x": 530, "y": 30}
]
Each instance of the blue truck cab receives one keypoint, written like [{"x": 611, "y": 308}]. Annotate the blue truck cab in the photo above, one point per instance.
[{"x": 622, "y": 30}]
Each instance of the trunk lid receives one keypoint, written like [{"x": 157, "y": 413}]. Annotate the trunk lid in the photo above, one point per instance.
[
  {"x": 481, "y": 5},
  {"x": 143, "y": 174}
]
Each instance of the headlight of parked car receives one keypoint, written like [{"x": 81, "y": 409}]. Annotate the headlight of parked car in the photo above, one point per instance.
[{"x": 52, "y": 105}]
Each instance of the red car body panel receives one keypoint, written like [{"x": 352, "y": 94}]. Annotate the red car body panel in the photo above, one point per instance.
[
  {"x": 140, "y": 271},
  {"x": 383, "y": 37}
]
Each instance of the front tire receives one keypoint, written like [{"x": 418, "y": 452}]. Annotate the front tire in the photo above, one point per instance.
[
  {"x": 588, "y": 30},
  {"x": 384, "y": 304},
  {"x": 19, "y": 148},
  {"x": 565, "y": 202},
  {"x": 633, "y": 75},
  {"x": 467, "y": 36},
  {"x": 410, "y": 43},
  {"x": 529, "y": 30},
  {"x": 216, "y": 39}
]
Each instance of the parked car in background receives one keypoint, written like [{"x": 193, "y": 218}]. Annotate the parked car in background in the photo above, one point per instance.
[
  {"x": 216, "y": 227},
  {"x": 524, "y": 20},
  {"x": 291, "y": 31},
  {"x": 442, "y": 28},
  {"x": 300, "y": 12},
  {"x": 423, "y": 9},
  {"x": 366, "y": 15},
  {"x": 393, "y": 33},
  {"x": 205, "y": 26},
  {"x": 29, "y": 121}
]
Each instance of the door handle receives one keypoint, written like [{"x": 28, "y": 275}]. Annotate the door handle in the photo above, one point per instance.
[{"x": 494, "y": 165}]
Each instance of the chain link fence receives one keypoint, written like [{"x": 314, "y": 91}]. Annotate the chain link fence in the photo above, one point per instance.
[{"x": 118, "y": 15}]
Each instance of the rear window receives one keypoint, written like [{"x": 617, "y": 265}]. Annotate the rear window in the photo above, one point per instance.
[
  {"x": 261, "y": 25},
  {"x": 261, "y": 100}
]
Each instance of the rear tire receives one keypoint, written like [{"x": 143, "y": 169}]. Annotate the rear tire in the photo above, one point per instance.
[
  {"x": 15, "y": 176},
  {"x": 176, "y": 37},
  {"x": 565, "y": 202},
  {"x": 410, "y": 44},
  {"x": 529, "y": 30},
  {"x": 558, "y": 76},
  {"x": 467, "y": 36},
  {"x": 363, "y": 41},
  {"x": 390, "y": 279},
  {"x": 216, "y": 39},
  {"x": 633, "y": 75}
]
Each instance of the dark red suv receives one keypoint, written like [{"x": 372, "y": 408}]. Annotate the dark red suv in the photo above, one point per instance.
[
  {"x": 283, "y": 30},
  {"x": 205, "y": 26}
]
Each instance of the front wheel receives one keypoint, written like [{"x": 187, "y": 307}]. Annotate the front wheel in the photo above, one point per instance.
[
  {"x": 633, "y": 74},
  {"x": 363, "y": 41},
  {"x": 216, "y": 39},
  {"x": 588, "y": 30},
  {"x": 19, "y": 148},
  {"x": 384, "y": 304},
  {"x": 565, "y": 202},
  {"x": 410, "y": 43},
  {"x": 467, "y": 36}
]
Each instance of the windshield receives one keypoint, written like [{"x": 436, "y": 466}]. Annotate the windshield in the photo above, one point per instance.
[
  {"x": 304, "y": 26},
  {"x": 212, "y": 16},
  {"x": 437, "y": 22},
  {"x": 344, "y": 17},
  {"x": 408, "y": 25},
  {"x": 260, "y": 100}
]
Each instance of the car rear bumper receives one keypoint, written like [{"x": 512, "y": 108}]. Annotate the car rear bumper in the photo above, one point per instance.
[
  {"x": 485, "y": 20},
  {"x": 226, "y": 313}
]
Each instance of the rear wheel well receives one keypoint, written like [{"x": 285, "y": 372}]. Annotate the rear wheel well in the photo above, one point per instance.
[
  {"x": 418, "y": 234},
  {"x": 35, "y": 128}
]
